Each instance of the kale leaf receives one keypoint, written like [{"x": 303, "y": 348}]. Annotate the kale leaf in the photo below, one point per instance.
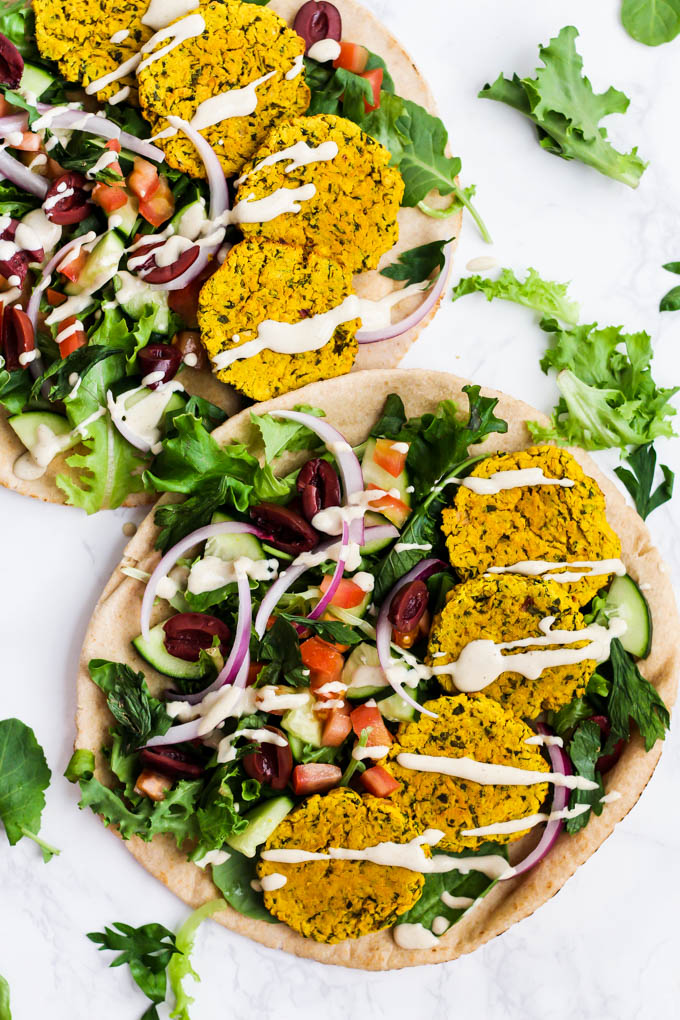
[
  {"x": 24, "y": 776},
  {"x": 640, "y": 479},
  {"x": 544, "y": 296}
]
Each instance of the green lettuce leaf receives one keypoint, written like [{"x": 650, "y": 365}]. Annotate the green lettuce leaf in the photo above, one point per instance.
[
  {"x": 545, "y": 296},
  {"x": 24, "y": 777},
  {"x": 278, "y": 436},
  {"x": 179, "y": 965},
  {"x": 15, "y": 388},
  {"x": 5, "y": 1011},
  {"x": 233, "y": 879},
  {"x": 567, "y": 112},
  {"x": 651, "y": 22},
  {"x": 192, "y": 457}
]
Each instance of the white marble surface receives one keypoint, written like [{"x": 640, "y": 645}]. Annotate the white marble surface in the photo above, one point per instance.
[{"x": 606, "y": 947}]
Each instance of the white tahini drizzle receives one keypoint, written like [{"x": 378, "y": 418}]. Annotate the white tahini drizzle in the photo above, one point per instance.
[
  {"x": 300, "y": 154},
  {"x": 488, "y": 774},
  {"x": 520, "y": 824},
  {"x": 187, "y": 28},
  {"x": 227, "y": 752},
  {"x": 143, "y": 417},
  {"x": 233, "y": 103},
  {"x": 272, "y": 882},
  {"x": 501, "y": 480},
  {"x": 160, "y": 13},
  {"x": 280, "y": 202},
  {"x": 580, "y": 569},
  {"x": 413, "y": 936},
  {"x": 324, "y": 50},
  {"x": 212, "y": 572},
  {"x": 456, "y": 902}
]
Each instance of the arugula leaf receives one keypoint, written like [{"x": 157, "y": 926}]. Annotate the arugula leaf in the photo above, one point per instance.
[
  {"x": 139, "y": 714},
  {"x": 609, "y": 398},
  {"x": 567, "y": 112},
  {"x": 15, "y": 387},
  {"x": 280, "y": 651},
  {"x": 233, "y": 879},
  {"x": 80, "y": 361},
  {"x": 24, "y": 776},
  {"x": 544, "y": 296},
  {"x": 5, "y": 1011},
  {"x": 417, "y": 264},
  {"x": 392, "y": 420},
  {"x": 329, "y": 630},
  {"x": 670, "y": 302},
  {"x": 584, "y": 750},
  {"x": 147, "y": 950},
  {"x": 179, "y": 966},
  {"x": 651, "y": 22},
  {"x": 640, "y": 479},
  {"x": 278, "y": 435},
  {"x": 472, "y": 886},
  {"x": 633, "y": 697}
]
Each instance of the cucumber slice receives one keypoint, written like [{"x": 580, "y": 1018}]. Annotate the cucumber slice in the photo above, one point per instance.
[
  {"x": 262, "y": 821},
  {"x": 157, "y": 655},
  {"x": 232, "y": 547},
  {"x": 362, "y": 673},
  {"x": 371, "y": 520},
  {"x": 137, "y": 298},
  {"x": 626, "y": 601},
  {"x": 396, "y": 709},
  {"x": 375, "y": 475},
  {"x": 101, "y": 266},
  {"x": 303, "y": 722},
  {"x": 35, "y": 80},
  {"x": 127, "y": 215},
  {"x": 189, "y": 220},
  {"x": 26, "y": 426}
]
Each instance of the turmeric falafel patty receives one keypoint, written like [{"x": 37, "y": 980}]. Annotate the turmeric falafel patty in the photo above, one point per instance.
[
  {"x": 352, "y": 214},
  {"x": 506, "y": 608},
  {"x": 259, "y": 281},
  {"x": 532, "y": 522},
  {"x": 331, "y": 900},
  {"x": 77, "y": 34},
  {"x": 477, "y": 728},
  {"x": 241, "y": 43}
]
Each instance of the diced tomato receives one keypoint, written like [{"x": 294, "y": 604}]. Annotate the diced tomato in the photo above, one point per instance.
[
  {"x": 5, "y": 108},
  {"x": 315, "y": 778},
  {"x": 253, "y": 672},
  {"x": 29, "y": 142},
  {"x": 113, "y": 145},
  {"x": 74, "y": 340},
  {"x": 379, "y": 782},
  {"x": 185, "y": 302},
  {"x": 323, "y": 661},
  {"x": 348, "y": 595},
  {"x": 394, "y": 509},
  {"x": 369, "y": 717},
  {"x": 160, "y": 206},
  {"x": 109, "y": 197},
  {"x": 390, "y": 460},
  {"x": 374, "y": 77},
  {"x": 152, "y": 785},
  {"x": 74, "y": 268},
  {"x": 352, "y": 57},
  {"x": 337, "y": 728},
  {"x": 144, "y": 180},
  {"x": 55, "y": 298}
]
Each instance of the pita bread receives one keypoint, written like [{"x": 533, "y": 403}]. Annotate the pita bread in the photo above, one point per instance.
[
  {"x": 414, "y": 229},
  {"x": 353, "y": 406}
]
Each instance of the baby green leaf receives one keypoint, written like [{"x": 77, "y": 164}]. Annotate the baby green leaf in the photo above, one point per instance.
[{"x": 24, "y": 776}]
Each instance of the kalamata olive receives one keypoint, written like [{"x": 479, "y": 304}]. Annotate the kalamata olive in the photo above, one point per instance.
[
  {"x": 286, "y": 529},
  {"x": 11, "y": 63},
  {"x": 319, "y": 487},
  {"x": 15, "y": 265},
  {"x": 408, "y": 605},
  {"x": 607, "y": 761},
  {"x": 158, "y": 357},
  {"x": 191, "y": 350},
  {"x": 171, "y": 762},
  {"x": 153, "y": 273},
  {"x": 18, "y": 337},
  {"x": 67, "y": 200},
  {"x": 272, "y": 764},
  {"x": 318, "y": 20},
  {"x": 187, "y": 633},
  {"x": 9, "y": 233}
]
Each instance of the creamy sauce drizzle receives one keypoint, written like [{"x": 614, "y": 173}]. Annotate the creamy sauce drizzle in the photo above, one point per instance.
[
  {"x": 581, "y": 569},
  {"x": 501, "y": 480},
  {"x": 300, "y": 154},
  {"x": 324, "y": 50},
  {"x": 520, "y": 824},
  {"x": 188, "y": 28},
  {"x": 234, "y": 103},
  {"x": 272, "y": 882},
  {"x": 487, "y": 774},
  {"x": 227, "y": 752},
  {"x": 212, "y": 572},
  {"x": 160, "y": 13},
  {"x": 143, "y": 417},
  {"x": 456, "y": 902}
]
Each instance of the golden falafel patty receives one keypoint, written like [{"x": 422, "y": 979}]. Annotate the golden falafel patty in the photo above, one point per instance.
[
  {"x": 532, "y": 522},
  {"x": 507, "y": 607},
  {"x": 352, "y": 215},
  {"x": 259, "y": 281},
  {"x": 240, "y": 44},
  {"x": 331, "y": 900},
  {"x": 77, "y": 34},
  {"x": 477, "y": 728}
]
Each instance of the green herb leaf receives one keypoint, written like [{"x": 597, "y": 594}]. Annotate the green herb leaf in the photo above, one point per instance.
[
  {"x": 179, "y": 966},
  {"x": 24, "y": 776},
  {"x": 584, "y": 750},
  {"x": 670, "y": 302},
  {"x": 633, "y": 697},
  {"x": 280, "y": 651},
  {"x": 640, "y": 479},
  {"x": 5, "y": 1011},
  {"x": 233, "y": 879},
  {"x": 15, "y": 387},
  {"x": 567, "y": 112},
  {"x": 392, "y": 420},
  {"x": 651, "y": 22},
  {"x": 609, "y": 398},
  {"x": 130, "y": 703},
  {"x": 569, "y": 716},
  {"x": 218, "y": 816},
  {"x": 544, "y": 296},
  {"x": 329, "y": 630},
  {"x": 147, "y": 950},
  {"x": 176, "y": 520},
  {"x": 417, "y": 264}
]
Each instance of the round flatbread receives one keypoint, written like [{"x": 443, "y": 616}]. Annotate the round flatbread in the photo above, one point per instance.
[
  {"x": 353, "y": 405},
  {"x": 414, "y": 229}
]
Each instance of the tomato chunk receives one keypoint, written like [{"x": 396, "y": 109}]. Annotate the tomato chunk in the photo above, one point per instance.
[
  {"x": 74, "y": 340},
  {"x": 379, "y": 782},
  {"x": 55, "y": 297},
  {"x": 348, "y": 595},
  {"x": 337, "y": 728},
  {"x": 160, "y": 207},
  {"x": 109, "y": 197},
  {"x": 388, "y": 458},
  {"x": 315, "y": 778},
  {"x": 369, "y": 717},
  {"x": 352, "y": 57},
  {"x": 29, "y": 142},
  {"x": 374, "y": 77},
  {"x": 74, "y": 268},
  {"x": 322, "y": 659},
  {"x": 144, "y": 181},
  {"x": 394, "y": 509}
]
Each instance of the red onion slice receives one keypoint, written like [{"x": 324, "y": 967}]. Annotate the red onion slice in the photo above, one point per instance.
[
  {"x": 14, "y": 171},
  {"x": 383, "y": 630},
  {"x": 92, "y": 124},
  {"x": 13, "y": 122},
  {"x": 176, "y": 734},
  {"x": 168, "y": 561},
  {"x": 559, "y": 761},
  {"x": 327, "y": 596},
  {"x": 423, "y": 309}
]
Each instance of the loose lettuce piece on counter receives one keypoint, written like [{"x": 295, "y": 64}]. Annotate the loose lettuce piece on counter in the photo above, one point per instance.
[
  {"x": 179, "y": 966},
  {"x": 567, "y": 112},
  {"x": 651, "y": 22},
  {"x": 24, "y": 777},
  {"x": 549, "y": 298}
]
